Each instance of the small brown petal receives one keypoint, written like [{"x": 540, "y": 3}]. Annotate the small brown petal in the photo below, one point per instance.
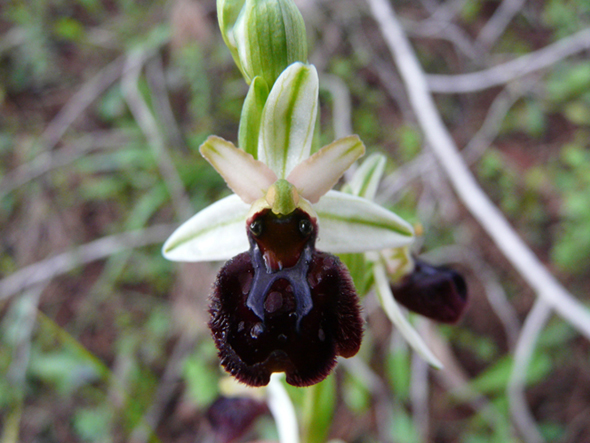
[{"x": 435, "y": 292}]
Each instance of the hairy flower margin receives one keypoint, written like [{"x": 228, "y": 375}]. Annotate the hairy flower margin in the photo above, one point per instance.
[
  {"x": 285, "y": 185},
  {"x": 279, "y": 304}
]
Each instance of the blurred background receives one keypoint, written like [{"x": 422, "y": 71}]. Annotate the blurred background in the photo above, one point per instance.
[{"x": 103, "y": 105}]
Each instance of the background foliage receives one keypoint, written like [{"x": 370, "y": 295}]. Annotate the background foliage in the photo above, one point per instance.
[{"x": 103, "y": 105}]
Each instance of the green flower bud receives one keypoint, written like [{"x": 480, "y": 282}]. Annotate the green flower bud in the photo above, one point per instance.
[
  {"x": 268, "y": 35},
  {"x": 227, "y": 14}
]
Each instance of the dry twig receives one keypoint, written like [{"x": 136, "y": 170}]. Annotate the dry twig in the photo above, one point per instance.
[
  {"x": 81, "y": 100},
  {"x": 341, "y": 108},
  {"x": 50, "y": 160},
  {"x": 149, "y": 127},
  {"x": 506, "y": 72},
  {"x": 533, "y": 325},
  {"x": 493, "y": 120},
  {"x": 96, "y": 250},
  {"x": 496, "y": 25},
  {"x": 383, "y": 407},
  {"x": 157, "y": 80},
  {"x": 455, "y": 379},
  {"x": 166, "y": 388},
  {"x": 420, "y": 387},
  {"x": 465, "y": 185}
]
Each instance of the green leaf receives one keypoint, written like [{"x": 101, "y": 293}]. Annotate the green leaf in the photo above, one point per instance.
[
  {"x": 93, "y": 424},
  {"x": 288, "y": 119},
  {"x": 495, "y": 378},
  {"x": 201, "y": 381},
  {"x": 69, "y": 29},
  {"x": 64, "y": 369},
  {"x": 403, "y": 429},
  {"x": 252, "y": 115},
  {"x": 320, "y": 400},
  {"x": 398, "y": 370},
  {"x": 356, "y": 395}
]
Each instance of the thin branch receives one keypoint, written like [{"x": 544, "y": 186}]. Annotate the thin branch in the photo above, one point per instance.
[
  {"x": 16, "y": 36},
  {"x": 444, "y": 31},
  {"x": 389, "y": 79},
  {"x": 444, "y": 11},
  {"x": 359, "y": 369},
  {"x": 454, "y": 378},
  {"x": 466, "y": 187},
  {"x": 96, "y": 250},
  {"x": 25, "y": 316},
  {"x": 157, "y": 80},
  {"x": 506, "y": 72},
  {"x": 533, "y": 325},
  {"x": 81, "y": 100},
  {"x": 419, "y": 388},
  {"x": 394, "y": 86},
  {"x": 166, "y": 388},
  {"x": 496, "y": 25},
  {"x": 50, "y": 160},
  {"x": 395, "y": 182},
  {"x": 341, "y": 108},
  {"x": 493, "y": 121},
  {"x": 149, "y": 127}
]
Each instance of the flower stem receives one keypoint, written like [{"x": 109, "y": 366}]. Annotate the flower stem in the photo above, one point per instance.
[
  {"x": 282, "y": 410},
  {"x": 394, "y": 313}
]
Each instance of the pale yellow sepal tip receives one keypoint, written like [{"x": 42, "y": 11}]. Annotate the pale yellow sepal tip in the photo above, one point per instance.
[{"x": 282, "y": 197}]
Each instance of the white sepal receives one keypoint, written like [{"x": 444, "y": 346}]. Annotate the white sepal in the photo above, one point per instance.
[
  {"x": 366, "y": 178},
  {"x": 319, "y": 173},
  {"x": 288, "y": 119},
  {"x": 247, "y": 177},
  {"x": 396, "y": 316},
  {"x": 218, "y": 232},
  {"x": 350, "y": 224}
]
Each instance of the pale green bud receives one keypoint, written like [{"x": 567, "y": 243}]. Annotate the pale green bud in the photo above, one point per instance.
[
  {"x": 268, "y": 35},
  {"x": 227, "y": 14}
]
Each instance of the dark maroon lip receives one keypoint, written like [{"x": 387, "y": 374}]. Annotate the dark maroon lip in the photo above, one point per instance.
[
  {"x": 293, "y": 314},
  {"x": 436, "y": 292}
]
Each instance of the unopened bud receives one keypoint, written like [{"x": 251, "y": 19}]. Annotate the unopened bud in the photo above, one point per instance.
[{"x": 266, "y": 36}]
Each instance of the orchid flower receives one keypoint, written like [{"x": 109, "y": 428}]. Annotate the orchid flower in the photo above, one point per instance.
[
  {"x": 280, "y": 305},
  {"x": 435, "y": 292}
]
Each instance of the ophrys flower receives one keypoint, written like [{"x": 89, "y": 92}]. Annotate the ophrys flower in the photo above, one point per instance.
[{"x": 284, "y": 306}]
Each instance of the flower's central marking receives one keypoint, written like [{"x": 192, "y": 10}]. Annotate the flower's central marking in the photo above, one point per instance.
[
  {"x": 282, "y": 197},
  {"x": 281, "y": 247}
]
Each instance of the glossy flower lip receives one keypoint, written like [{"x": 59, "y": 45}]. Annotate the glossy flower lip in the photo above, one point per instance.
[
  {"x": 347, "y": 223},
  {"x": 436, "y": 292},
  {"x": 296, "y": 319}
]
